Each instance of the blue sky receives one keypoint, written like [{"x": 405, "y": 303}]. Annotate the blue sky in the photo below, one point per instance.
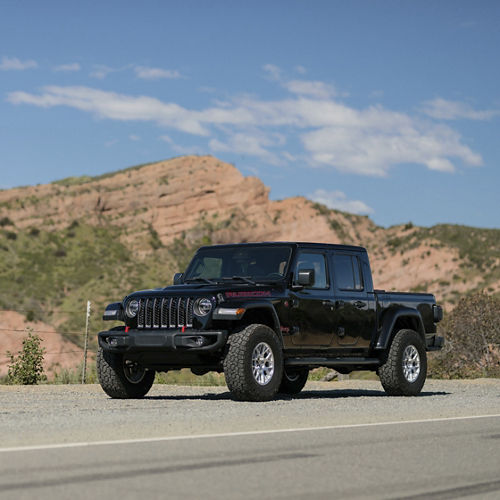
[{"x": 390, "y": 109}]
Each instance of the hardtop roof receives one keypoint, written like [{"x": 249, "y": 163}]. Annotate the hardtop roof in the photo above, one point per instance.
[{"x": 297, "y": 244}]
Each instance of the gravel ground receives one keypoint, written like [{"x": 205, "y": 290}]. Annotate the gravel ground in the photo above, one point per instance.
[{"x": 72, "y": 413}]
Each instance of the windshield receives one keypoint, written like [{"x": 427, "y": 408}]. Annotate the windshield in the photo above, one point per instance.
[{"x": 262, "y": 263}]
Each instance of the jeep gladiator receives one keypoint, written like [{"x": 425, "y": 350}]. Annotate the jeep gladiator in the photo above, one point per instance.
[{"x": 265, "y": 314}]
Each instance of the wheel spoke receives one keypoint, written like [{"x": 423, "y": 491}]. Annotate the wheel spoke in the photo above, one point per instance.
[
  {"x": 411, "y": 363},
  {"x": 262, "y": 363}
]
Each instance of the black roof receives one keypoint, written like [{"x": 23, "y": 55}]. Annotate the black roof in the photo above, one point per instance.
[{"x": 298, "y": 244}]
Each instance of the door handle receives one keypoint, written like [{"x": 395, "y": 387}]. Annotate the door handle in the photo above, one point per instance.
[{"x": 360, "y": 304}]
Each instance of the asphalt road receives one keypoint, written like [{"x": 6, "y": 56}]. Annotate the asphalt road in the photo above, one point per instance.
[{"x": 337, "y": 440}]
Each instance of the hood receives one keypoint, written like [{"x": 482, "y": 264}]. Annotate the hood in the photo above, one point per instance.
[{"x": 230, "y": 290}]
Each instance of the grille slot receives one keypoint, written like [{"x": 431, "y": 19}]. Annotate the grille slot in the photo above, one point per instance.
[{"x": 165, "y": 312}]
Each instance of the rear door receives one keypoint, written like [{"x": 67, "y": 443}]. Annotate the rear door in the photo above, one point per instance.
[{"x": 354, "y": 306}]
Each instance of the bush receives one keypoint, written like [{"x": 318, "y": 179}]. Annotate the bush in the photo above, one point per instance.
[
  {"x": 5, "y": 221},
  {"x": 472, "y": 340},
  {"x": 27, "y": 367}
]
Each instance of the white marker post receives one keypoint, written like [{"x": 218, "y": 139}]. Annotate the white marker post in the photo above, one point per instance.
[{"x": 84, "y": 371}]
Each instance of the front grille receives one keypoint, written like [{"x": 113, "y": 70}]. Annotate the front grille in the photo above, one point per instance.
[{"x": 165, "y": 312}]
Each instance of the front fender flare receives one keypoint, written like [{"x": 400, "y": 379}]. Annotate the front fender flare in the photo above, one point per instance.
[{"x": 268, "y": 307}]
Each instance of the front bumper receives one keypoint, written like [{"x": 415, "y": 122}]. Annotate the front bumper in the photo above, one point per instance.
[
  {"x": 137, "y": 341},
  {"x": 434, "y": 342}
]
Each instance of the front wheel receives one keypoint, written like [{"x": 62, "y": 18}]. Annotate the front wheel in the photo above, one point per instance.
[
  {"x": 294, "y": 380},
  {"x": 253, "y": 366},
  {"x": 121, "y": 378},
  {"x": 405, "y": 370}
]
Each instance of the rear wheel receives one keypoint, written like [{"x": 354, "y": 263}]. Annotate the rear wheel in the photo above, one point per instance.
[
  {"x": 121, "y": 378},
  {"x": 253, "y": 366},
  {"x": 294, "y": 380},
  {"x": 405, "y": 370}
]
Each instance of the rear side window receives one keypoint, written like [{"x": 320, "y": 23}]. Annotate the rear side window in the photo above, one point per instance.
[
  {"x": 314, "y": 261},
  {"x": 347, "y": 272}
]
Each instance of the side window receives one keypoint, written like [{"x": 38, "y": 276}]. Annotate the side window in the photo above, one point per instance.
[
  {"x": 347, "y": 272},
  {"x": 314, "y": 261}
]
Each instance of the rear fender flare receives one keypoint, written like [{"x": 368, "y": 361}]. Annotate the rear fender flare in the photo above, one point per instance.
[{"x": 389, "y": 321}]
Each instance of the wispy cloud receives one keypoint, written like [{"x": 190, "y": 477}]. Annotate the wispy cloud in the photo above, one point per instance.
[
  {"x": 115, "y": 106},
  {"x": 320, "y": 90},
  {"x": 155, "y": 73},
  {"x": 15, "y": 64},
  {"x": 182, "y": 150},
  {"x": 68, "y": 68},
  {"x": 249, "y": 143},
  {"x": 339, "y": 201},
  {"x": 272, "y": 71},
  {"x": 368, "y": 141},
  {"x": 442, "y": 109},
  {"x": 101, "y": 71}
]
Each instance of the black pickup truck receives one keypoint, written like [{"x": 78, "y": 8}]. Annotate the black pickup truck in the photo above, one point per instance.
[{"x": 265, "y": 314}]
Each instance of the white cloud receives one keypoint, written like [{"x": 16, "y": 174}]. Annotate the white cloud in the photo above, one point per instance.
[
  {"x": 15, "y": 64},
  {"x": 155, "y": 73},
  {"x": 115, "y": 106},
  {"x": 101, "y": 71},
  {"x": 320, "y": 90},
  {"x": 273, "y": 72},
  {"x": 182, "y": 150},
  {"x": 68, "y": 67},
  {"x": 442, "y": 109},
  {"x": 367, "y": 141},
  {"x": 134, "y": 137},
  {"x": 300, "y": 70},
  {"x": 338, "y": 200},
  {"x": 253, "y": 144}
]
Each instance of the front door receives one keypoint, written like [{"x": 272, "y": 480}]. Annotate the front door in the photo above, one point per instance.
[{"x": 311, "y": 307}]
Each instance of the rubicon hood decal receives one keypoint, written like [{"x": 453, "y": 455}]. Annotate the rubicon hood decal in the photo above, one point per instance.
[{"x": 255, "y": 293}]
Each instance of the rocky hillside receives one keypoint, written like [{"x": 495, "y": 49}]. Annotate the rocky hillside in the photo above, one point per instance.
[{"x": 99, "y": 237}]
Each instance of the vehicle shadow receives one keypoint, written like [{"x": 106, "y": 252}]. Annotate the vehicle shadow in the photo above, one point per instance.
[
  {"x": 311, "y": 394},
  {"x": 352, "y": 393}
]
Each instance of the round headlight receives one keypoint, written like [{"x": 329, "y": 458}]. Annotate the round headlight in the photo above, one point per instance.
[
  {"x": 132, "y": 308},
  {"x": 202, "y": 306}
]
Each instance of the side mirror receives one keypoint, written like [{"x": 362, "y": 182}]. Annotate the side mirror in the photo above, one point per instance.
[
  {"x": 305, "y": 277},
  {"x": 178, "y": 278}
]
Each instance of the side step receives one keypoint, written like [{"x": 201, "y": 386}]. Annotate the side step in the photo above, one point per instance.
[{"x": 333, "y": 362}]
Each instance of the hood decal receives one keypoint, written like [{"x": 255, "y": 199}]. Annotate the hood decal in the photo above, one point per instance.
[{"x": 255, "y": 293}]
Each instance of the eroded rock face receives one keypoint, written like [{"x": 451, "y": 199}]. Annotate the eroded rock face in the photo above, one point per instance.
[{"x": 190, "y": 197}]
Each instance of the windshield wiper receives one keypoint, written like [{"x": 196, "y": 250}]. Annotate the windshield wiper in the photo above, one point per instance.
[
  {"x": 200, "y": 280},
  {"x": 245, "y": 279}
]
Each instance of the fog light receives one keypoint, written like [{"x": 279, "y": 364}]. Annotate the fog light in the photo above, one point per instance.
[
  {"x": 199, "y": 341},
  {"x": 113, "y": 341}
]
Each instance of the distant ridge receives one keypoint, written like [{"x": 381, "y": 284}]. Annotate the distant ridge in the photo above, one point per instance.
[{"x": 100, "y": 237}]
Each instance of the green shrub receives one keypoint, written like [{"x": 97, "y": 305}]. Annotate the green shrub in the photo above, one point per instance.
[
  {"x": 5, "y": 221},
  {"x": 27, "y": 367},
  {"x": 472, "y": 340}
]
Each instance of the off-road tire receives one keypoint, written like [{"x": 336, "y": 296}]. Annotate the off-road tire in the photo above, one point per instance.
[
  {"x": 238, "y": 370},
  {"x": 115, "y": 384},
  {"x": 391, "y": 373},
  {"x": 294, "y": 380}
]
